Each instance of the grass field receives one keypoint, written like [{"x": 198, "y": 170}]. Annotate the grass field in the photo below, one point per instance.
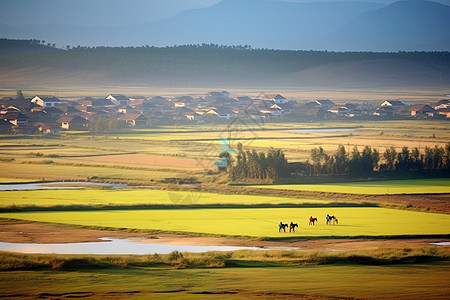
[
  {"x": 264, "y": 282},
  {"x": 48, "y": 198},
  {"x": 413, "y": 186},
  {"x": 261, "y": 222},
  {"x": 14, "y": 180}
]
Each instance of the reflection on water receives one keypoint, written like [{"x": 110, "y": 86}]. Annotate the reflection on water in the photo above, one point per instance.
[
  {"x": 441, "y": 244},
  {"x": 60, "y": 185},
  {"x": 110, "y": 246}
]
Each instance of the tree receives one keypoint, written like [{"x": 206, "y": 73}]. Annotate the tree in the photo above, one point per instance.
[
  {"x": 341, "y": 160},
  {"x": 390, "y": 156},
  {"x": 403, "y": 160},
  {"x": 19, "y": 95}
]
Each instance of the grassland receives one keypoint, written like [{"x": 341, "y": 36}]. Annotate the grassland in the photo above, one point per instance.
[
  {"x": 278, "y": 275},
  {"x": 395, "y": 187},
  {"x": 202, "y": 142},
  {"x": 256, "y": 223},
  {"x": 148, "y": 157}
]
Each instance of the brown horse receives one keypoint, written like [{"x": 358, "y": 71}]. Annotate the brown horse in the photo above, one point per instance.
[
  {"x": 312, "y": 220},
  {"x": 335, "y": 220},
  {"x": 292, "y": 227}
]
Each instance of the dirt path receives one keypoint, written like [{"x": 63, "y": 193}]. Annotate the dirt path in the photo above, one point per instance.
[{"x": 14, "y": 232}]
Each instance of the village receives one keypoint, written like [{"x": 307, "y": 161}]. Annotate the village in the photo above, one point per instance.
[{"x": 52, "y": 115}]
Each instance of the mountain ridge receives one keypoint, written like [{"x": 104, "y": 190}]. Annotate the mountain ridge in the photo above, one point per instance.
[{"x": 335, "y": 26}]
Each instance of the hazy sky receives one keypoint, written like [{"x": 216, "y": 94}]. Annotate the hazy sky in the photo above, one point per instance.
[{"x": 15, "y": 12}]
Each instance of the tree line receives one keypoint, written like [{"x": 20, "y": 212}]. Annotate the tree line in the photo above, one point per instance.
[
  {"x": 273, "y": 165},
  {"x": 219, "y": 60},
  {"x": 369, "y": 160},
  {"x": 258, "y": 165}
]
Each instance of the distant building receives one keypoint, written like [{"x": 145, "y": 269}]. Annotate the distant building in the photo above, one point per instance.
[
  {"x": 325, "y": 104},
  {"x": 46, "y": 101},
  {"x": 393, "y": 103},
  {"x": 73, "y": 123},
  {"x": 135, "y": 119},
  {"x": 118, "y": 99},
  {"x": 221, "y": 112},
  {"x": 14, "y": 117},
  {"x": 422, "y": 111},
  {"x": 277, "y": 98}
]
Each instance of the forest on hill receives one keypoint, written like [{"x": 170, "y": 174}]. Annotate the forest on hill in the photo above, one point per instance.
[{"x": 215, "y": 63}]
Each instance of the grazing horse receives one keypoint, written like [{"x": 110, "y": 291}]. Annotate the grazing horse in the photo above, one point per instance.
[
  {"x": 292, "y": 227},
  {"x": 312, "y": 220},
  {"x": 282, "y": 226}
]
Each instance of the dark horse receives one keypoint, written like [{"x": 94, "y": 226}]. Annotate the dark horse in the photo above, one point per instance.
[
  {"x": 292, "y": 227},
  {"x": 312, "y": 220},
  {"x": 282, "y": 226}
]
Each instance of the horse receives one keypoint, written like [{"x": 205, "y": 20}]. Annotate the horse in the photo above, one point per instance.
[
  {"x": 292, "y": 227},
  {"x": 312, "y": 220},
  {"x": 282, "y": 226},
  {"x": 332, "y": 219}
]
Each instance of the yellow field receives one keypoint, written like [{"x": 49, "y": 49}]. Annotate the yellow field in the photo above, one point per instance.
[{"x": 360, "y": 221}]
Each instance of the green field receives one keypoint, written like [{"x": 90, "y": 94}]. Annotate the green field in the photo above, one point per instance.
[
  {"x": 422, "y": 273},
  {"x": 393, "y": 187},
  {"x": 349, "y": 282},
  {"x": 14, "y": 180},
  {"x": 48, "y": 198},
  {"x": 260, "y": 222}
]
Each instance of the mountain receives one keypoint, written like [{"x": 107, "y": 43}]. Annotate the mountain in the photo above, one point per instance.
[
  {"x": 404, "y": 25},
  {"x": 273, "y": 24},
  {"x": 262, "y": 24}
]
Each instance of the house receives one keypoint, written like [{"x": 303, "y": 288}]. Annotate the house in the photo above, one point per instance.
[
  {"x": 221, "y": 112},
  {"x": 135, "y": 119},
  {"x": 422, "y": 111},
  {"x": 46, "y": 101},
  {"x": 286, "y": 107},
  {"x": 69, "y": 110},
  {"x": 244, "y": 101},
  {"x": 53, "y": 112},
  {"x": 384, "y": 111},
  {"x": 94, "y": 102},
  {"x": 73, "y": 123},
  {"x": 339, "y": 110},
  {"x": 396, "y": 104},
  {"x": 444, "y": 103},
  {"x": 14, "y": 117},
  {"x": 125, "y": 109},
  {"x": 318, "y": 113},
  {"x": 273, "y": 111},
  {"x": 179, "y": 103},
  {"x": 118, "y": 99},
  {"x": 325, "y": 104},
  {"x": 444, "y": 112},
  {"x": 47, "y": 128},
  {"x": 276, "y": 98},
  {"x": 191, "y": 115}
]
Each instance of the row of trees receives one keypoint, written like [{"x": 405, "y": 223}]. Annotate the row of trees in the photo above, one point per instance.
[
  {"x": 258, "y": 165},
  {"x": 368, "y": 160},
  {"x": 205, "y": 60}
]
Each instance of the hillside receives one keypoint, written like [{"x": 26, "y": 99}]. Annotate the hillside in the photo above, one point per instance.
[{"x": 217, "y": 65}]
